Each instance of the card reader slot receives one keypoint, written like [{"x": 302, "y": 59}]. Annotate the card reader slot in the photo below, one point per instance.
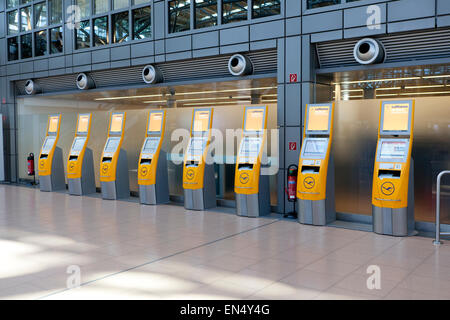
[
  {"x": 73, "y": 158},
  {"x": 192, "y": 164},
  {"x": 310, "y": 169},
  {"x": 389, "y": 174},
  {"x": 245, "y": 166},
  {"x": 43, "y": 156},
  {"x": 107, "y": 159},
  {"x": 146, "y": 161}
]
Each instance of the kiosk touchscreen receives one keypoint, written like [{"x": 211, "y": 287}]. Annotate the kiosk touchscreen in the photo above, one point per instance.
[
  {"x": 80, "y": 163},
  {"x": 198, "y": 176},
  {"x": 252, "y": 188},
  {"x": 315, "y": 181},
  {"x": 393, "y": 178},
  {"x": 51, "y": 165},
  {"x": 114, "y": 164},
  {"x": 152, "y": 169}
]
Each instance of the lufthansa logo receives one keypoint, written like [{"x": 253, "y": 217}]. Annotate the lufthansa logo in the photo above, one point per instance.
[
  {"x": 244, "y": 178},
  {"x": 309, "y": 182},
  {"x": 41, "y": 163},
  {"x": 387, "y": 188},
  {"x": 105, "y": 168},
  {"x": 190, "y": 174},
  {"x": 72, "y": 166},
  {"x": 144, "y": 171}
]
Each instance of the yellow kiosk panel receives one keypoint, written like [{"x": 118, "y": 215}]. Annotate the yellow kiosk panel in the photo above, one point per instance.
[
  {"x": 112, "y": 147},
  {"x": 76, "y": 154},
  {"x": 49, "y": 145}
]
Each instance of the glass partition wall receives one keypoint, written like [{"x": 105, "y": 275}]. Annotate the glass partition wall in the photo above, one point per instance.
[{"x": 228, "y": 106}]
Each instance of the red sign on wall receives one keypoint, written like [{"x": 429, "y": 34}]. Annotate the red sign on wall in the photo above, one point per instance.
[
  {"x": 293, "y": 77},
  {"x": 292, "y": 146}
]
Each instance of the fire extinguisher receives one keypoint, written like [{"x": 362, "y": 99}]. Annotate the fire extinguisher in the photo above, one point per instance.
[
  {"x": 291, "y": 189},
  {"x": 30, "y": 170}
]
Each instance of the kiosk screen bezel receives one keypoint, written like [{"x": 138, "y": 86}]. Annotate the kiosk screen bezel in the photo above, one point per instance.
[
  {"x": 111, "y": 131},
  {"x": 330, "y": 111},
  {"x": 381, "y": 158},
  {"x": 318, "y": 155},
  {"x": 208, "y": 123},
  {"x": 53, "y": 125},
  {"x": 86, "y": 125},
  {"x": 406, "y": 132}
]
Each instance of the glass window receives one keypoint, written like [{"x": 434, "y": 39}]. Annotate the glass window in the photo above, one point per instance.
[
  {"x": 56, "y": 40},
  {"x": 142, "y": 23},
  {"x": 25, "y": 19},
  {"x": 13, "y": 22},
  {"x": 179, "y": 15},
  {"x": 264, "y": 8},
  {"x": 12, "y": 3},
  {"x": 234, "y": 10},
  {"x": 40, "y": 43},
  {"x": 85, "y": 8},
  {"x": 13, "y": 49},
  {"x": 100, "y": 31},
  {"x": 121, "y": 27},
  {"x": 136, "y": 2},
  {"x": 26, "y": 46},
  {"x": 100, "y": 6},
  {"x": 55, "y": 11},
  {"x": 25, "y": 1},
  {"x": 83, "y": 35},
  {"x": 40, "y": 15},
  {"x": 119, "y": 4},
  {"x": 205, "y": 13},
  {"x": 321, "y": 3}
]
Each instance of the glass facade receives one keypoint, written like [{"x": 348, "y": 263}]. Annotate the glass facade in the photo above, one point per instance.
[
  {"x": 54, "y": 11},
  {"x": 13, "y": 49},
  {"x": 83, "y": 35},
  {"x": 121, "y": 27},
  {"x": 26, "y": 46},
  {"x": 56, "y": 40},
  {"x": 25, "y": 19},
  {"x": 101, "y": 36},
  {"x": 179, "y": 15},
  {"x": 40, "y": 15},
  {"x": 142, "y": 23},
  {"x": 101, "y": 6},
  {"x": 321, "y": 3},
  {"x": 119, "y": 4},
  {"x": 13, "y": 22},
  {"x": 234, "y": 10},
  {"x": 11, "y": 3},
  {"x": 265, "y": 8},
  {"x": 205, "y": 13},
  {"x": 40, "y": 43},
  {"x": 85, "y": 8}
]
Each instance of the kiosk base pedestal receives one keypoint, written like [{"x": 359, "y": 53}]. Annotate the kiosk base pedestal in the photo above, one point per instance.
[
  {"x": 157, "y": 193},
  {"x": 396, "y": 222},
  {"x": 56, "y": 180},
  {"x": 120, "y": 188},
  {"x": 205, "y": 198},
  {"x": 85, "y": 184},
  {"x": 255, "y": 205},
  {"x": 319, "y": 212}
]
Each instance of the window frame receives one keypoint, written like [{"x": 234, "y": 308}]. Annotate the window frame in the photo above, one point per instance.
[{"x": 33, "y": 30}]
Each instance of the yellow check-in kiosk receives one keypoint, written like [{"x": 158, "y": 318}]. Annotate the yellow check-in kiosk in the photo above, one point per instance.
[
  {"x": 80, "y": 162},
  {"x": 198, "y": 176},
  {"x": 393, "y": 178},
  {"x": 114, "y": 178},
  {"x": 51, "y": 165},
  {"x": 250, "y": 186},
  {"x": 152, "y": 169},
  {"x": 315, "y": 181}
]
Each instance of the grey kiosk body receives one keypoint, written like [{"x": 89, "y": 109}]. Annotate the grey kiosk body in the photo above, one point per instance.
[
  {"x": 395, "y": 221},
  {"x": 314, "y": 152},
  {"x": 204, "y": 198},
  {"x": 157, "y": 193}
]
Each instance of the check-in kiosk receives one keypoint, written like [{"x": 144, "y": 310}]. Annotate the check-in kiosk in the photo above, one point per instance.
[
  {"x": 393, "y": 178},
  {"x": 198, "y": 176},
  {"x": 315, "y": 182},
  {"x": 152, "y": 170},
  {"x": 51, "y": 165},
  {"x": 80, "y": 163},
  {"x": 250, "y": 186},
  {"x": 114, "y": 164}
]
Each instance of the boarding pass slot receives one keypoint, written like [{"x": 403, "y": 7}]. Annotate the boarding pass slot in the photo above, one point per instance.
[
  {"x": 107, "y": 159},
  {"x": 310, "y": 169},
  {"x": 43, "y": 156},
  {"x": 245, "y": 166},
  {"x": 389, "y": 174},
  {"x": 191, "y": 163},
  {"x": 73, "y": 158},
  {"x": 146, "y": 161}
]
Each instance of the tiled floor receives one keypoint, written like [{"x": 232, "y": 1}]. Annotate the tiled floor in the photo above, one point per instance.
[{"x": 127, "y": 251}]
